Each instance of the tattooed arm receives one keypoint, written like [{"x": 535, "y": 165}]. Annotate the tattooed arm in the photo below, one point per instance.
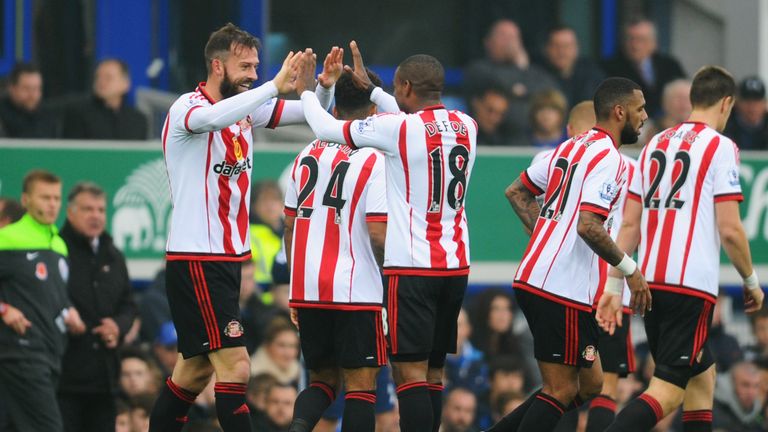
[
  {"x": 524, "y": 203},
  {"x": 592, "y": 231}
]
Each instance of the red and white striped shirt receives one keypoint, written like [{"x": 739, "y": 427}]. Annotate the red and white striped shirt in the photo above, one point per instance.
[
  {"x": 585, "y": 173},
  {"x": 209, "y": 157},
  {"x": 430, "y": 155},
  {"x": 685, "y": 171},
  {"x": 334, "y": 190}
]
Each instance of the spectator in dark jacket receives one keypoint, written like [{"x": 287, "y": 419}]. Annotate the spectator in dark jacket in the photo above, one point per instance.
[
  {"x": 748, "y": 125},
  {"x": 20, "y": 112},
  {"x": 641, "y": 62},
  {"x": 578, "y": 77},
  {"x": 100, "y": 289},
  {"x": 106, "y": 115},
  {"x": 738, "y": 402}
]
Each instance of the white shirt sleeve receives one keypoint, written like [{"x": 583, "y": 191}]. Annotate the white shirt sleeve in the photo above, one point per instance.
[
  {"x": 385, "y": 102},
  {"x": 201, "y": 118},
  {"x": 725, "y": 169},
  {"x": 376, "y": 193},
  {"x": 380, "y": 131},
  {"x": 291, "y": 192},
  {"x": 635, "y": 187},
  {"x": 536, "y": 176},
  {"x": 281, "y": 112},
  {"x": 602, "y": 185}
]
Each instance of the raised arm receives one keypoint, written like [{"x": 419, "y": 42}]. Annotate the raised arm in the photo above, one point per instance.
[
  {"x": 383, "y": 100},
  {"x": 200, "y": 119}
]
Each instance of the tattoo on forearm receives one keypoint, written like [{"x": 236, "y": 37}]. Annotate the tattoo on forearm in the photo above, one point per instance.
[
  {"x": 594, "y": 234},
  {"x": 524, "y": 204}
]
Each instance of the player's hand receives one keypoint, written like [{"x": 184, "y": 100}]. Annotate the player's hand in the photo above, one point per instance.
[
  {"x": 333, "y": 66},
  {"x": 109, "y": 332},
  {"x": 753, "y": 299},
  {"x": 295, "y": 317},
  {"x": 16, "y": 320},
  {"x": 640, "y": 301},
  {"x": 609, "y": 313},
  {"x": 359, "y": 75},
  {"x": 74, "y": 323},
  {"x": 286, "y": 77},
  {"x": 305, "y": 80}
]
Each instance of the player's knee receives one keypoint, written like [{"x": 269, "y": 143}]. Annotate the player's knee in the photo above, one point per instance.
[
  {"x": 675, "y": 375},
  {"x": 329, "y": 376},
  {"x": 406, "y": 371},
  {"x": 435, "y": 374},
  {"x": 564, "y": 392},
  {"x": 360, "y": 379}
]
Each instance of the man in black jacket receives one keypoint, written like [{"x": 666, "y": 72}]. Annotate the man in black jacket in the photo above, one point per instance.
[
  {"x": 100, "y": 289},
  {"x": 641, "y": 62}
]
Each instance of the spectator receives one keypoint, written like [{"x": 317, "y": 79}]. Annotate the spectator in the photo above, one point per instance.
[
  {"x": 467, "y": 367},
  {"x": 506, "y": 376},
  {"x": 141, "y": 406},
  {"x": 459, "y": 411},
  {"x": 724, "y": 346},
  {"x": 100, "y": 289},
  {"x": 738, "y": 402},
  {"x": 10, "y": 211},
  {"x": 258, "y": 386},
  {"x": 758, "y": 351},
  {"x": 492, "y": 321},
  {"x": 153, "y": 308},
  {"x": 165, "y": 348},
  {"x": 675, "y": 109},
  {"x": 488, "y": 107},
  {"x": 578, "y": 77},
  {"x": 506, "y": 403},
  {"x": 278, "y": 411},
  {"x": 204, "y": 409},
  {"x": 642, "y": 63},
  {"x": 266, "y": 228},
  {"x": 136, "y": 374},
  {"x": 106, "y": 115},
  {"x": 748, "y": 125},
  {"x": 20, "y": 113},
  {"x": 279, "y": 355},
  {"x": 507, "y": 64},
  {"x": 123, "y": 417},
  {"x": 35, "y": 309},
  {"x": 258, "y": 309},
  {"x": 547, "y": 118}
]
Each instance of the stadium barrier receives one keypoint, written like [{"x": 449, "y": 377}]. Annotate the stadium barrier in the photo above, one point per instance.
[{"x": 139, "y": 205}]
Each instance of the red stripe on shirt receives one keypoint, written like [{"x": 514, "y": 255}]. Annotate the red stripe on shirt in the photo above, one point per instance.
[
  {"x": 362, "y": 180},
  {"x": 525, "y": 179},
  {"x": 438, "y": 255},
  {"x": 729, "y": 197},
  {"x": 186, "y": 118},
  {"x": 225, "y": 191},
  {"x": 277, "y": 112},
  {"x": 458, "y": 232},
  {"x": 243, "y": 183},
  {"x": 330, "y": 256},
  {"x": 706, "y": 161},
  {"x": 347, "y": 129},
  {"x": 403, "y": 149}
]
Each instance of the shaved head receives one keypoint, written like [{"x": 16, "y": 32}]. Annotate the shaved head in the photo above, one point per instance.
[
  {"x": 425, "y": 73},
  {"x": 581, "y": 118}
]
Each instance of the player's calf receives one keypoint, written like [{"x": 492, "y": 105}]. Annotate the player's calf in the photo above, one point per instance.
[
  {"x": 233, "y": 368},
  {"x": 315, "y": 399},
  {"x": 360, "y": 399}
]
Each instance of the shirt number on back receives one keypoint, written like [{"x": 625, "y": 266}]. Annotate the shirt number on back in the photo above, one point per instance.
[
  {"x": 680, "y": 168},
  {"x": 562, "y": 169},
  {"x": 458, "y": 163},
  {"x": 333, "y": 192}
]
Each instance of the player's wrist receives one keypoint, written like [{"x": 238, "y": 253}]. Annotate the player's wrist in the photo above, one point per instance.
[
  {"x": 751, "y": 281},
  {"x": 614, "y": 286},
  {"x": 3, "y": 308},
  {"x": 626, "y": 266}
]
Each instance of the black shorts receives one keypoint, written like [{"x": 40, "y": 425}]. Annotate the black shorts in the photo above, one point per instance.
[
  {"x": 204, "y": 301},
  {"x": 421, "y": 314},
  {"x": 338, "y": 338},
  {"x": 616, "y": 352},
  {"x": 561, "y": 334},
  {"x": 678, "y": 329}
]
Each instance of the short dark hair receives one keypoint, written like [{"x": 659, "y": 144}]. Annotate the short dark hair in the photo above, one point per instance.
[
  {"x": 20, "y": 69},
  {"x": 11, "y": 209},
  {"x": 85, "y": 187},
  {"x": 38, "y": 175},
  {"x": 710, "y": 84},
  {"x": 144, "y": 402},
  {"x": 350, "y": 100},
  {"x": 558, "y": 28},
  {"x": 225, "y": 39},
  {"x": 122, "y": 65},
  {"x": 425, "y": 73},
  {"x": 611, "y": 92}
]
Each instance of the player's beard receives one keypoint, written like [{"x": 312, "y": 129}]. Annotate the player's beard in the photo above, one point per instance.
[
  {"x": 229, "y": 88},
  {"x": 628, "y": 134}
]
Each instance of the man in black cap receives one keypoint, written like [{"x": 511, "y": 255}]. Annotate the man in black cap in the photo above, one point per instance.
[{"x": 748, "y": 127}]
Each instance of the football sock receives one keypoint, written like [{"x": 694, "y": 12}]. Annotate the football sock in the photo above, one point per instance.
[
  {"x": 359, "y": 413},
  {"x": 640, "y": 415},
  {"x": 697, "y": 421},
  {"x": 602, "y": 411},
  {"x": 436, "y": 395},
  {"x": 310, "y": 405},
  {"x": 171, "y": 407},
  {"x": 511, "y": 421},
  {"x": 415, "y": 407},
  {"x": 233, "y": 413},
  {"x": 543, "y": 415}
]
